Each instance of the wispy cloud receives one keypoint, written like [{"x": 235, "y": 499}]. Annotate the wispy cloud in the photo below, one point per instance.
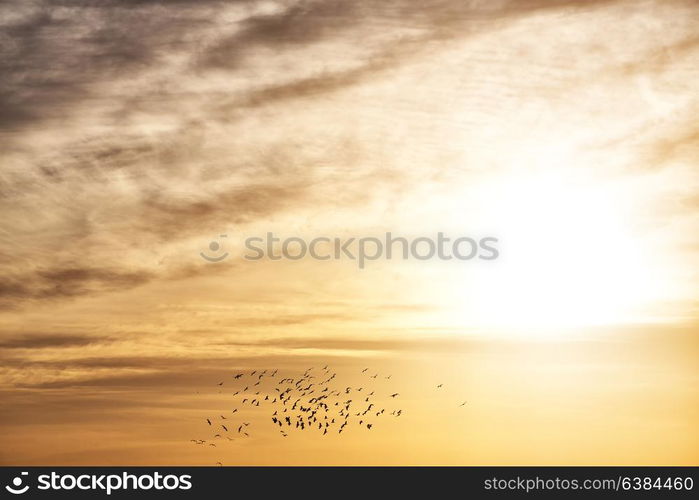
[
  {"x": 67, "y": 282},
  {"x": 42, "y": 341},
  {"x": 171, "y": 119}
]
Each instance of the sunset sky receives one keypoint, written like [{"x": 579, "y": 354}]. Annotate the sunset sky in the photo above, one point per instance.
[{"x": 135, "y": 132}]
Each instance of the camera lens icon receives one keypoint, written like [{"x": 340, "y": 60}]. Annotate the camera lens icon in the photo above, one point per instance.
[
  {"x": 214, "y": 247},
  {"x": 16, "y": 489}
]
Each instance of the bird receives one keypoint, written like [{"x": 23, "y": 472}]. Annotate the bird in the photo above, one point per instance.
[
  {"x": 462, "y": 404},
  {"x": 306, "y": 400}
]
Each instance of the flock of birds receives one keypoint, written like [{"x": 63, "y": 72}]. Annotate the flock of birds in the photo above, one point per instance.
[{"x": 311, "y": 402}]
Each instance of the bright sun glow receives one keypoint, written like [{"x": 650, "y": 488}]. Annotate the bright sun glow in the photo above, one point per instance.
[{"x": 568, "y": 259}]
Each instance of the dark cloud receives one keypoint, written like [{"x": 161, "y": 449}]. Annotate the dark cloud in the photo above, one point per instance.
[
  {"x": 310, "y": 21},
  {"x": 42, "y": 341},
  {"x": 63, "y": 282},
  {"x": 157, "y": 215},
  {"x": 57, "y": 53},
  {"x": 172, "y": 217},
  {"x": 52, "y": 58},
  {"x": 160, "y": 371},
  {"x": 302, "y": 23},
  {"x": 322, "y": 83}
]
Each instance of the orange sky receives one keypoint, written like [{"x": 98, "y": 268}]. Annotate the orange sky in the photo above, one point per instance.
[{"x": 134, "y": 136}]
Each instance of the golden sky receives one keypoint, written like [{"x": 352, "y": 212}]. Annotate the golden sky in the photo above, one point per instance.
[{"x": 135, "y": 133}]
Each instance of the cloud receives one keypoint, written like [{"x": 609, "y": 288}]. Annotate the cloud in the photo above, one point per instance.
[
  {"x": 301, "y": 23},
  {"x": 43, "y": 341},
  {"x": 337, "y": 345},
  {"x": 66, "y": 282},
  {"x": 176, "y": 118},
  {"x": 54, "y": 54},
  {"x": 307, "y": 22}
]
